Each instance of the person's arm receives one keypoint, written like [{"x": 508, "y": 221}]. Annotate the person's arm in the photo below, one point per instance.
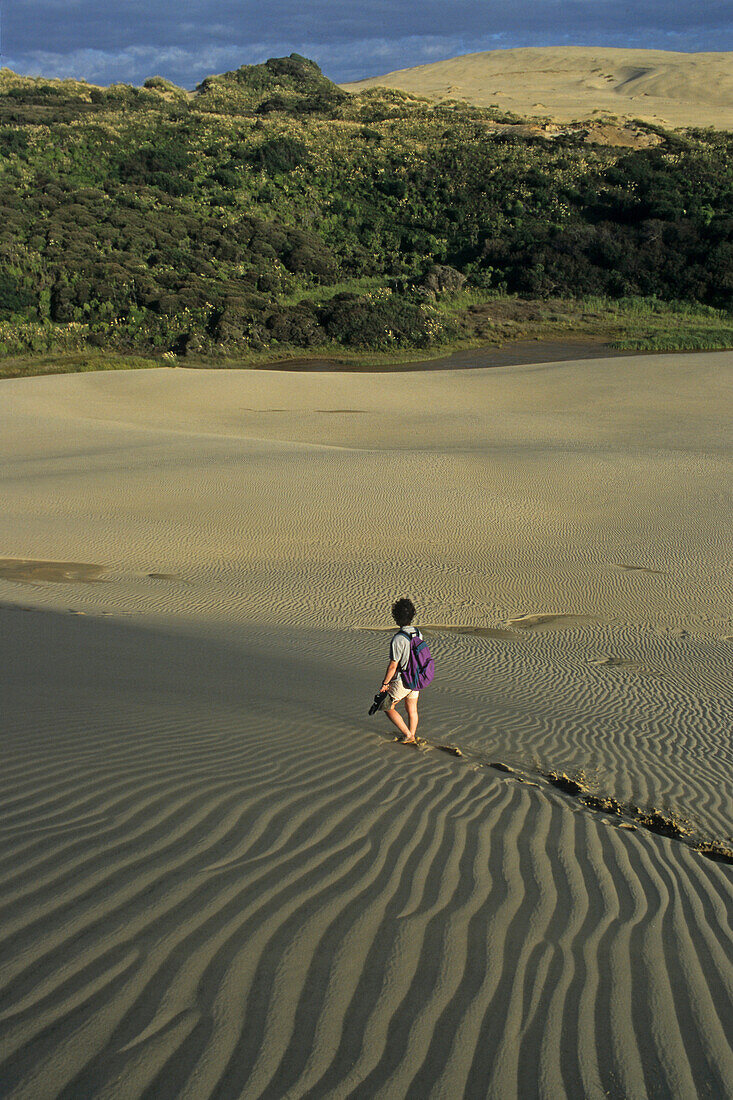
[{"x": 389, "y": 675}]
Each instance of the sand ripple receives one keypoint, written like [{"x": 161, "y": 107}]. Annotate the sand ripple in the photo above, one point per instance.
[
  {"x": 230, "y": 912},
  {"x": 219, "y": 878}
]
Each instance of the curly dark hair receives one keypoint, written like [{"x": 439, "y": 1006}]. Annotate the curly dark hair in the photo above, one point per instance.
[{"x": 403, "y": 611}]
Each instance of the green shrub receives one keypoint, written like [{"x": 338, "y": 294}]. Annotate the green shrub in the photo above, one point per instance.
[
  {"x": 155, "y": 221},
  {"x": 378, "y": 322},
  {"x": 280, "y": 154},
  {"x": 14, "y": 297},
  {"x": 12, "y": 142},
  {"x": 297, "y": 325},
  {"x": 160, "y": 84}
]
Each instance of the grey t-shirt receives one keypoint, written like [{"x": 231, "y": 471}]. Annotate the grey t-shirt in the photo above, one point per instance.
[{"x": 399, "y": 649}]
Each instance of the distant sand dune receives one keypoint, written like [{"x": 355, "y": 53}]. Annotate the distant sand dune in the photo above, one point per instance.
[
  {"x": 220, "y": 878},
  {"x": 578, "y": 82}
]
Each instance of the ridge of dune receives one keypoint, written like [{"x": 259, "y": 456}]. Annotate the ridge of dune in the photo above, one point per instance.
[{"x": 571, "y": 83}]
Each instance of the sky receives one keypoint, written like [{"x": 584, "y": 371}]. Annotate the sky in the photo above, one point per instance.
[{"x": 185, "y": 40}]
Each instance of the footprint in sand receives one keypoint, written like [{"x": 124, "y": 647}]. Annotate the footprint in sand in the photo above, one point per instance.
[
  {"x": 421, "y": 743},
  {"x": 622, "y": 815},
  {"x": 498, "y": 766}
]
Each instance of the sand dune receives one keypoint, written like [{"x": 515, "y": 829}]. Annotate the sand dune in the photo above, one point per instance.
[
  {"x": 578, "y": 82},
  {"x": 219, "y": 877}
]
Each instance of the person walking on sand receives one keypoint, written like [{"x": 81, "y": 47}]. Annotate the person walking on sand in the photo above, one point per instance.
[{"x": 403, "y": 612}]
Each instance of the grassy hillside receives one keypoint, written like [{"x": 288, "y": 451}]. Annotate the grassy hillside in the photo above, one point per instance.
[{"x": 270, "y": 211}]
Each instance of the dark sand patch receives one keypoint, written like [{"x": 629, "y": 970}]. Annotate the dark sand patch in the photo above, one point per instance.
[
  {"x": 628, "y": 664},
  {"x": 616, "y": 662},
  {"x": 513, "y": 354},
  {"x": 29, "y": 571},
  {"x": 309, "y": 412},
  {"x": 499, "y": 632},
  {"x": 637, "y": 569},
  {"x": 548, "y": 621}
]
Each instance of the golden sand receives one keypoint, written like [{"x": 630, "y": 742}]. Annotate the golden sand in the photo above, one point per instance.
[
  {"x": 220, "y": 877},
  {"x": 578, "y": 82}
]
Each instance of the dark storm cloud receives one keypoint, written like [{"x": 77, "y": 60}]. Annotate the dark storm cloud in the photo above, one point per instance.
[{"x": 187, "y": 40}]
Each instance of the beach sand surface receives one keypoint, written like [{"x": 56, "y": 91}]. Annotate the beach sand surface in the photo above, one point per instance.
[
  {"x": 220, "y": 878},
  {"x": 580, "y": 82}
]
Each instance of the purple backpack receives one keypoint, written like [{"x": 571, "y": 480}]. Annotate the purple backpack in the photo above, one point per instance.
[{"x": 420, "y": 667}]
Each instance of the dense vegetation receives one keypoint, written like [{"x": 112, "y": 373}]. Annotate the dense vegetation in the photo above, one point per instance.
[{"x": 270, "y": 210}]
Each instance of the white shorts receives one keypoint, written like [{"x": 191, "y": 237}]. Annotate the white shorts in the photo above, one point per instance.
[{"x": 397, "y": 692}]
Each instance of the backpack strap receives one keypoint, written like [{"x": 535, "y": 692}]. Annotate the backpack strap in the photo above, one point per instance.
[{"x": 409, "y": 637}]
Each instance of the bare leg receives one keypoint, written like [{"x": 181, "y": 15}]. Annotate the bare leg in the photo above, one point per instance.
[
  {"x": 397, "y": 720},
  {"x": 411, "y": 708}
]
